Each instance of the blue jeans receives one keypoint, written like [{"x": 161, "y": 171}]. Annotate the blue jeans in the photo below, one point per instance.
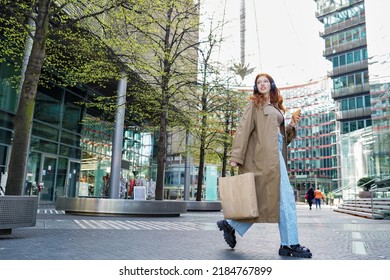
[
  {"x": 288, "y": 229},
  {"x": 318, "y": 202}
]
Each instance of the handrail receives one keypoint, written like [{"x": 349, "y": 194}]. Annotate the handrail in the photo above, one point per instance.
[
  {"x": 372, "y": 190},
  {"x": 366, "y": 183},
  {"x": 375, "y": 189},
  {"x": 347, "y": 186},
  {"x": 339, "y": 189}
]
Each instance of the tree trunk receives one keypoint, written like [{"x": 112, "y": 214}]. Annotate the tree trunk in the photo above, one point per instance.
[
  {"x": 161, "y": 156},
  {"x": 199, "y": 189},
  {"x": 201, "y": 157},
  {"x": 24, "y": 115},
  {"x": 225, "y": 148},
  {"x": 162, "y": 140}
]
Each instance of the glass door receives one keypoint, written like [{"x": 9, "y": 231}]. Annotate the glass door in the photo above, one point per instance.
[
  {"x": 73, "y": 178},
  {"x": 47, "y": 178}
]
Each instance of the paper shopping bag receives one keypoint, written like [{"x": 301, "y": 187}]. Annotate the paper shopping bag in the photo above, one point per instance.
[{"x": 238, "y": 196}]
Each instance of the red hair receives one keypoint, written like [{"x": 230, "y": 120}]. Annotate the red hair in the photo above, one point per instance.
[{"x": 275, "y": 97}]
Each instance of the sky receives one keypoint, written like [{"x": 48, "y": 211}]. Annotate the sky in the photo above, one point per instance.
[
  {"x": 282, "y": 38},
  {"x": 378, "y": 38}
]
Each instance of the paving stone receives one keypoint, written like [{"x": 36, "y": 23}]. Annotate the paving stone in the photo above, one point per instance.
[{"x": 191, "y": 236}]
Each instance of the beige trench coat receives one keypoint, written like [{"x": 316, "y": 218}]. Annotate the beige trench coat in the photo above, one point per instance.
[{"x": 255, "y": 149}]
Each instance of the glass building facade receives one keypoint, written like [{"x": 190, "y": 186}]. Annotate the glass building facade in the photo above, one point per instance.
[
  {"x": 71, "y": 145},
  {"x": 313, "y": 155},
  {"x": 356, "y": 42},
  {"x": 345, "y": 39}
]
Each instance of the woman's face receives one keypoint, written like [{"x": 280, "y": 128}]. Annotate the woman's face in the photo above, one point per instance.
[{"x": 263, "y": 85}]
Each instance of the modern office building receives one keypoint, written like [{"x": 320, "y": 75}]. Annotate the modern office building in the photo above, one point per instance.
[
  {"x": 314, "y": 154},
  {"x": 359, "y": 85},
  {"x": 346, "y": 47},
  {"x": 71, "y": 144}
]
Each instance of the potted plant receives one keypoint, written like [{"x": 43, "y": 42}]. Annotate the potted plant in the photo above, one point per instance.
[{"x": 366, "y": 184}]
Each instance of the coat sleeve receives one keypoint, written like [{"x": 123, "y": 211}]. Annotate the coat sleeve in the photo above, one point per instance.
[
  {"x": 241, "y": 138},
  {"x": 291, "y": 133}
]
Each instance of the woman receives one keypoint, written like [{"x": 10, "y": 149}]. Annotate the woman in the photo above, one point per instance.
[
  {"x": 260, "y": 146},
  {"x": 310, "y": 196}
]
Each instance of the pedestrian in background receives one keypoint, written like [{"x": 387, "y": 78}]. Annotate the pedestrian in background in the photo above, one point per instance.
[
  {"x": 310, "y": 196},
  {"x": 260, "y": 146},
  {"x": 318, "y": 196}
]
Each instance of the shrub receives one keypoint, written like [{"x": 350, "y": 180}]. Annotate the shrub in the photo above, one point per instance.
[{"x": 363, "y": 183}]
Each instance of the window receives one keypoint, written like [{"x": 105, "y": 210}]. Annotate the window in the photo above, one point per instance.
[
  {"x": 355, "y": 34},
  {"x": 351, "y": 80},
  {"x": 351, "y": 103},
  {"x": 342, "y": 60},
  {"x": 48, "y": 108},
  {"x": 359, "y": 102},
  {"x": 72, "y": 113},
  {"x": 349, "y": 58},
  {"x": 327, "y": 43},
  {"x": 5, "y": 137},
  {"x": 42, "y": 145},
  {"x": 358, "y": 78},
  {"x": 364, "y": 53},
  {"x": 70, "y": 138},
  {"x": 335, "y": 61},
  {"x": 352, "y": 126},
  {"x": 339, "y": 82},
  {"x": 348, "y": 35},
  {"x": 335, "y": 40},
  {"x": 363, "y": 32},
  {"x": 356, "y": 56},
  {"x": 345, "y": 127},
  {"x": 341, "y": 38},
  {"x": 344, "y": 15},
  {"x": 365, "y": 77},
  {"x": 343, "y": 81},
  {"x": 44, "y": 131},
  {"x": 8, "y": 95},
  {"x": 344, "y": 104},
  {"x": 367, "y": 101}
]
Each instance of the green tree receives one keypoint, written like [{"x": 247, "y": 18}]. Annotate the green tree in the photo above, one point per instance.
[
  {"x": 50, "y": 21},
  {"x": 169, "y": 34},
  {"x": 229, "y": 116},
  {"x": 207, "y": 100},
  {"x": 366, "y": 183}
]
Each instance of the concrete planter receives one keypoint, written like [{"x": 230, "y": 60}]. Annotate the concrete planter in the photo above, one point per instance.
[
  {"x": 17, "y": 211},
  {"x": 364, "y": 194},
  {"x": 109, "y": 206}
]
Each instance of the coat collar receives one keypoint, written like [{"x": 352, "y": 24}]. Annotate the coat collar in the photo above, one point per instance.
[{"x": 268, "y": 108}]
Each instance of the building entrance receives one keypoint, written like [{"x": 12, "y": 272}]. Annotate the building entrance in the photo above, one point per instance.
[
  {"x": 73, "y": 178},
  {"x": 47, "y": 177}
]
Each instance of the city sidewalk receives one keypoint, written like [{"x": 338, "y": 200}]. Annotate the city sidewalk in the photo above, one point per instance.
[{"x": 192, "y": 236}]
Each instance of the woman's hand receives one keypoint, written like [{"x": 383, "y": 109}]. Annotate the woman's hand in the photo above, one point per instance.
[
  {"x": 233, "y": 163},
  {"x": 296, "y": 116}
]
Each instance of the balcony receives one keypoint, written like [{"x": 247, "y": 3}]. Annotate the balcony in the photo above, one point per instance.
[
  {"x": 345, "y": 47},
  {"x": 343, "y": 25},
  {"x": 328, "y": 9},
  {"x": 347, "y": 68},
  {"x": 353, "y": 114},
  {"x": 348, "y": 91}
]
